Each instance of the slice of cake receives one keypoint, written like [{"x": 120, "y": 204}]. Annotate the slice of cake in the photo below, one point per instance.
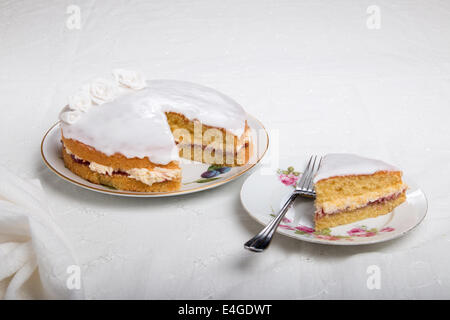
[
  {"x": 127, "y": 133},
  {"x": 350, "y": 188}
]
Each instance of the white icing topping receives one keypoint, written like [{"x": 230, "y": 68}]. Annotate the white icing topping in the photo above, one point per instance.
[
  {"x": 196, "y": 102},
  {"x": 69, "y": 116},
  {"x": 344, "y": 164},
  {"x": 129, "y": 79},
  {"x": 135, "y": 124},
  {"x": 81, "y": 101},
  {"x": 103, "y": 90}
]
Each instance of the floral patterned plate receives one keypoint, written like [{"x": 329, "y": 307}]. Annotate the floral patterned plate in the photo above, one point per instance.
[
  {"x": 196, "y": 176},
  {"x": 298, "y": 222}
]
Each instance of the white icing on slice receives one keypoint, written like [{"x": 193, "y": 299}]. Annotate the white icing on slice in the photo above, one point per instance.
[
  {"x": 345, "y": 164},
  {"x": 135, "y": 125}
]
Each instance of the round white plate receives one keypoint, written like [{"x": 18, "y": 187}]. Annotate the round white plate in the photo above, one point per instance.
[
  {"x": 191, "y": 171},
  {"x": 298, "y": 222}
]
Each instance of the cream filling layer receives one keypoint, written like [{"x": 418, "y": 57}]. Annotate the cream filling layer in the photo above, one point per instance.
[
  {"x": 355, "y": 203},
  {"x": 143, "y": 175}
]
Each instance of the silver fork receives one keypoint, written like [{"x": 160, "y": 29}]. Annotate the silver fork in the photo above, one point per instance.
[{"x": 304, "y": 188}]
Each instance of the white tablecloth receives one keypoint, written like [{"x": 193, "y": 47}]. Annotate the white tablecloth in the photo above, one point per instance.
[{"x": 325, "y": 75}]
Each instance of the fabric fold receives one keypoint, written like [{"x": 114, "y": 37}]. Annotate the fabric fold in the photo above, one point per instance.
[{"x": 31, "y": 242}]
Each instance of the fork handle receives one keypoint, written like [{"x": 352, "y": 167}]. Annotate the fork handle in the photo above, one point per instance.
[{"x": 262, "y": 240}]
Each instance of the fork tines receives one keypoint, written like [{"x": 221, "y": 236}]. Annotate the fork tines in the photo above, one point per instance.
[{"x": 305, "y": 185}]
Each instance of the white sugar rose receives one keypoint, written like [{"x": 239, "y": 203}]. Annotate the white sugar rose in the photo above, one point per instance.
[
  {"x": 80, "y": 101},
  {"x": 129, "y": 79},
  {"x": 102, "y": 90},
  {"x": 69, "y": 116}
]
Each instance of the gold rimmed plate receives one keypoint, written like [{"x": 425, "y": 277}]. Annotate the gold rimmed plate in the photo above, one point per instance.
[{"x": 192, "y": 180}]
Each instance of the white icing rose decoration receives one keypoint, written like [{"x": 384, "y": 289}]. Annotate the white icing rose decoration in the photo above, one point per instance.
[
  {"x": 129, "y": 79},
  {"x": 102, "y": 90},
  {"x": 69, "y": 116},
  {"x": 80, "y": 101}
]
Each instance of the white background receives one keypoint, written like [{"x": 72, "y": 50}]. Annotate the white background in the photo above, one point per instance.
[{"x": 311, "y": 69}]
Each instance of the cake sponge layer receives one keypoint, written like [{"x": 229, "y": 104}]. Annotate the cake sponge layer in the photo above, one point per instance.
[
  {"x": 117, "y": 181},
  {"x": 355, "y": 191},
  {"x": 370, "y": 211},
  {"x": 217, "y": 156}
]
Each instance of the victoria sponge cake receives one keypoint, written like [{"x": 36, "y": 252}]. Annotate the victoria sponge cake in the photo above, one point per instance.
[
  {"x": 129, "y": 134},
  {"x": 350, "y": 188}
]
